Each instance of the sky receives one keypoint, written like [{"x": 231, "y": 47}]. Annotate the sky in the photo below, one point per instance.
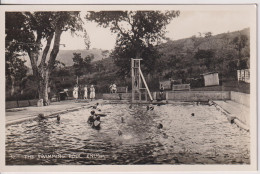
[{"x": 189, "y": 23}]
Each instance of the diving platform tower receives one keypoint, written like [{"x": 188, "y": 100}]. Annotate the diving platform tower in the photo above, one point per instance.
[{"x": 138, "y": 81}]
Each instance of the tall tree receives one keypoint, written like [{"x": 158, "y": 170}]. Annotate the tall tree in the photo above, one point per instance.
[
  {"x": 240, "y": 42},
  {"x": 29, "y": 31},
  {"x": 15, "y": 70},
  {"x": 138, "y": 33},
  {"x": 82, "y": 66},
  {"x": 207, "y": 56}
]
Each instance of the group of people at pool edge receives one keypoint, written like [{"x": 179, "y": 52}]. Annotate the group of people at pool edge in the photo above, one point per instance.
[
  {"x": 85, "y": 93},
  {"x": 77, "y": 91}
]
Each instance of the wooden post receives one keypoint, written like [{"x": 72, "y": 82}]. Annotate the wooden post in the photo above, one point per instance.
[
  {"x": 139, "y": 80},
  {"x": 133, "y": 80},
  {"x": 146, "y": 85}
]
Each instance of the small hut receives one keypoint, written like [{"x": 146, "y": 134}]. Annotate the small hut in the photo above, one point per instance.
[{"x": 211, "y": 79}]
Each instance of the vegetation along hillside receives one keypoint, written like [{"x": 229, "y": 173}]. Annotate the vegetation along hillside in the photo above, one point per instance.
[
  {"x": 180, "y": 59},
  {"x": 190, "y": 57}
]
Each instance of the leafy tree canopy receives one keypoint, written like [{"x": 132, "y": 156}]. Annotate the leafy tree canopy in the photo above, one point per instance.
[
  {"x": 82, "y": 66},
  {"x": 15, "y": 67},
  {"x": 27, "y": 31},
  {"x": 138, "y": 32},
  {"x": 206, "y": 55}
]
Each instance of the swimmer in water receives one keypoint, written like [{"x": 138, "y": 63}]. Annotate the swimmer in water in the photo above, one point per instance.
[
  {"x": 119, "y": 133},
  {"x": 41, "y": 116},
  {"x": 165, "y": 135},
  {"x": 58, "y": 117},
  {"x": 149, "y": 108},
  {"x": 159, "y": 126},
  {"x": 97, "y": 117},
  {"x": 122, "y": 120},
  {"x": 95, "y": 106},
  {"x": 91, "y": 117}
]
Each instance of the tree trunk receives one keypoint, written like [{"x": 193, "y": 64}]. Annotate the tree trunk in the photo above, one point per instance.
[
  {"x": 43, "y": 82},
  {"x": 12, "y": 85},
  {"x": 46, "y": 70},
  {"x": 43, "y": 87},
  {"x": 42, "y": 72}
]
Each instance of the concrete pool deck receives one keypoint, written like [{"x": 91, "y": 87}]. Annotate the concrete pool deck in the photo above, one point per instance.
[{"x": 16, "y": 115}]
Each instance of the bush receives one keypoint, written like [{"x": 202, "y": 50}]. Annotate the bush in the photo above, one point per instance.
[{"x": 195, "y": 83}]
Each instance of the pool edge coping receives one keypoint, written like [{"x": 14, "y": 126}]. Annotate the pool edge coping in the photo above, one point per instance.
[
  {"x": 50, "y": 115},
  {"x": 232, "y": 118}
]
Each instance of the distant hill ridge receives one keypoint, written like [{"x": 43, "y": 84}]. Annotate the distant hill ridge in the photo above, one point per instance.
[
  {"x": 171, "y": 47},
  {"x": 66, "y": 56}
]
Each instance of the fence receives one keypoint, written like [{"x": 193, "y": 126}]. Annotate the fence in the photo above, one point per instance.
[
  {"x": 243, "y": 75},
  {"x": 20, "y": 103},
  {"x": 181, "y": 87},
  {"x": 198, "y": 95},
  {"x": 122, "y": 89}
]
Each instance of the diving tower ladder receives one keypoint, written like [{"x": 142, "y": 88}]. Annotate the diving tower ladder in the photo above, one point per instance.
[{"x": 137, "y": 79}]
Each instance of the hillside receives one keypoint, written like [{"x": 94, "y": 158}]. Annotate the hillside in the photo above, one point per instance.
[
  {"x": 180, "y": 59},
  {"x": 179, "y": 54},
  {"x": 184, "y": 59},
  {"x": 193, "y": 56},
  {"x": 65, "y": 56}
]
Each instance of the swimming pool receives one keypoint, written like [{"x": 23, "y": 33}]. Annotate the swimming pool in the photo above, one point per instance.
[{"x": 205, "y": 138}]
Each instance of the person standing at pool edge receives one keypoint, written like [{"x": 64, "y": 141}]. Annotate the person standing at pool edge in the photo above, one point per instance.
[
  {"x": 75, "y": 92},
  {"x": 92, "y": 92},
  {"x": 86, "y": 92},
  {"x": 161, "y": 91},
  {"x": 114, "y": 90}
]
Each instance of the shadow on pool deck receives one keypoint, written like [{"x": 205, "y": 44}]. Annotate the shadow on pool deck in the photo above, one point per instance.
[{"x": 21, "y": 114}]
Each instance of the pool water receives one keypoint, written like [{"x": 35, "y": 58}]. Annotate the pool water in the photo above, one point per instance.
[{"x": 205, "y": 138}]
